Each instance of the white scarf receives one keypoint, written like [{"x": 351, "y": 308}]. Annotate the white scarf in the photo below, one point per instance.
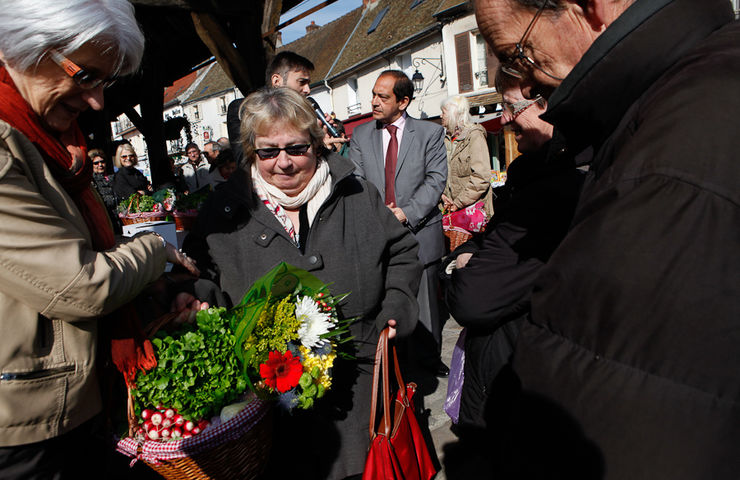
[{"x": 317, "y": 190}]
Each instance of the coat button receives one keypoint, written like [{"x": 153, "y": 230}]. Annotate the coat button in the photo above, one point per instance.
[
  {"x": 227, "y": 209},
  {"x": 263, "y": 236},
  {"x": 312, "y": 259}
]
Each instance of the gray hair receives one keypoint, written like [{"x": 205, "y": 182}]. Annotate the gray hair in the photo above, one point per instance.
[
  {"x": 30, "y": 28},
  {"x": 274, "y": 106},
  {"x": 215, "y": 146},
  {"x": 458, "y": 109}
]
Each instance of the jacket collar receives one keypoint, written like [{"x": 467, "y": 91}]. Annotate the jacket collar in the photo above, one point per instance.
[{"x": 624, "y": 61}]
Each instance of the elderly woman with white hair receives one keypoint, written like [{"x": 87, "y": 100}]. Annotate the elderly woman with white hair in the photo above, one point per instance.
[
  {"x": 468, "y": 160},
  {"x": 61, "y": 269}
]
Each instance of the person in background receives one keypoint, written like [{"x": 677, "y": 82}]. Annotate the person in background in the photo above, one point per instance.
[
  {"x": 195, "y": 171},
  {"x": 468, "y": 160},
  {"x": 493, "y": 275},
  {"x": 293, "y": 202},
  {"x": 405, "y": 159},
  {"x": 224, "y": 142},
  {"x": 224, "y": 167},
  {"x": 210, "y": 151},
  {"x": 627, "y": 365},
  {"x": 103, "y": 180},
  {"x": 128, "y": 179},
  {"x": 63, "y": 276}
]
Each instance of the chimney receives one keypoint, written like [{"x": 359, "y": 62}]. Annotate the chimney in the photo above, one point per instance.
[
  {"x": 279, "y": 40},
  {"x": 312, "y": 28},
  {"x": 365, "y": 3}
]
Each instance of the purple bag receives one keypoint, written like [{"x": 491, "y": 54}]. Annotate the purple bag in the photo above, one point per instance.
[{"x": 456, "y": 378}]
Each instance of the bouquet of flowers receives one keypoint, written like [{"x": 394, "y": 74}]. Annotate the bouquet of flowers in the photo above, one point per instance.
[{"x": 288, "y": 336}]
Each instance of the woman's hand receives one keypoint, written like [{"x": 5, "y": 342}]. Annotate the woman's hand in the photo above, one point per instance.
[
  {"x": 180, "y": 258},
  {"x": 448, "y": 204},
  {"x": 186, "y": 306},
  {"x": 391, "y": 328},
  {"x": 462, "y": 260}
]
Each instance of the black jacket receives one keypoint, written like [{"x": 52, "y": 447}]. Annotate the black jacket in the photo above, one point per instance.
[
  {"x": 633, "y": 346},
  {"x": 491, "y": 294},
  {"x": 129, "y": 180}
]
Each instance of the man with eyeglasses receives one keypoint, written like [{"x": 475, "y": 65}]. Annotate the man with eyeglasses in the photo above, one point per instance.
[{"x": 633, "y": 345}]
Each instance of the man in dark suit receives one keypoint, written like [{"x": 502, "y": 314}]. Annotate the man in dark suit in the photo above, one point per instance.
[{"x": 406, "y": 160}]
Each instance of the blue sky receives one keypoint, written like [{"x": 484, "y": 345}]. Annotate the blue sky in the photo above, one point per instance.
[{"x": 322, "y": 17}]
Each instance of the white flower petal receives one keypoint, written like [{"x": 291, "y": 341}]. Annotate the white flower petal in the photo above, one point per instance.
[{"x": 314, "y": 322}]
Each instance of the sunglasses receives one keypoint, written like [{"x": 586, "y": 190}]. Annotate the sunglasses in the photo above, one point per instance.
[
  {"x": 128, "y": 156},
  {"x": 81, "y": 77},
  {"x": 99, "y": 162},
  {"x": 292, "y": 150},
  {"x": 517, "y": 108}
]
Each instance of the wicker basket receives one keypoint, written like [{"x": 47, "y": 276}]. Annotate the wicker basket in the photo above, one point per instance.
[
  {"x": 131, "y": 218},
  {"x": 237, "y": 449},
  {"x": 184, "y": 220},
  {"x": 455, "y": 238}
]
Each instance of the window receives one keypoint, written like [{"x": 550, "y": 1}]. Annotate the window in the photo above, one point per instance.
[
  {"x": 404, "y": 64},
  {"x": 222, "y": 105},
  {"x": 353, "y": 102},
  {"x": 464, "y": 67},
  {"x": 415, "y": 4},
  {"x": 196, "y": 112},
  {"x": 378, "y": 19}
]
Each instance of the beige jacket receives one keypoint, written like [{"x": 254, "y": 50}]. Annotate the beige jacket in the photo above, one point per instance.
[
  {"x": 53, "y": 288},
  {"x": 469, "y": 169}
]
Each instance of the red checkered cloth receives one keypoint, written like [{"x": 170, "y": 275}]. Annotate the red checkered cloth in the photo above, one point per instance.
[{"x": 154, "y": 452}]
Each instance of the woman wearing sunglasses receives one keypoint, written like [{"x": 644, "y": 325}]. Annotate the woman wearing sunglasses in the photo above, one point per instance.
[
  {"x": 129, "y": 179},
  {"x": 62, "y": 272},
  {"x": 103, "y": 178},
  {"x": 294, "y": 202}
]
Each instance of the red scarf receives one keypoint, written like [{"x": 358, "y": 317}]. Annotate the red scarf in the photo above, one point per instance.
[{"x": 66, "y": 156}]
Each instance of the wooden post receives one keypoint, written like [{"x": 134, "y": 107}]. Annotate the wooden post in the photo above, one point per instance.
[{"x": 510, "y": 146}]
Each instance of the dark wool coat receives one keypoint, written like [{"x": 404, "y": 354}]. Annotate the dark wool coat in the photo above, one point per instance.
[
  {"x": 129, "y": 180},
  {"x": 632, "y": 353},
  {"x": 488, "y": 297},
  {"x": 357, "y": 245}
]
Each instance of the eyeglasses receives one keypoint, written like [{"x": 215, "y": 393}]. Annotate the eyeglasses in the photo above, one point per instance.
[
  {"x": 82, "y": 77},
  {"x": 517, "y": 108},
  {"x": 99, "y": 162},
  {"x": 519, "y": 58},
  {"x": 128, "y": 156},
  {"x": 292, "y": 150}
]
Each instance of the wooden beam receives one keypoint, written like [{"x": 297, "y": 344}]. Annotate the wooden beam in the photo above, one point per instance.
[
  {"x": 298, "y": 17},
  {"x": 221, "y": 46},
  {"x": 510, "y": 146}
]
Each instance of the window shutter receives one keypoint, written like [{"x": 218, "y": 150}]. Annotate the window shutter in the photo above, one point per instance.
[
  {"x": 492, "y": 64},
  {"x": 464, "y": 66}
]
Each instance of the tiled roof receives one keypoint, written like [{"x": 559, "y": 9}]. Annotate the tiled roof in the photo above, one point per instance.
[
  {"x": 400, "y": 23},
  {"x": 214, "y": 82},
  {"x": 323, "y": 45},
  {"x": 447, "y": 5},
  {"x": 179, "y": 87}
]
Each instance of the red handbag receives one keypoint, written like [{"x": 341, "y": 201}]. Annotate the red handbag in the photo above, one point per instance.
[{"x": 397, "y": 449}]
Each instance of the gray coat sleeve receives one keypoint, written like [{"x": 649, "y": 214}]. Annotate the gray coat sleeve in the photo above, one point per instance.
[{"x": 427, "y": 195}]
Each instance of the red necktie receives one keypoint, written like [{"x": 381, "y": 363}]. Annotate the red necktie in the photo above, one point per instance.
[{"x": 391, "y": 158}]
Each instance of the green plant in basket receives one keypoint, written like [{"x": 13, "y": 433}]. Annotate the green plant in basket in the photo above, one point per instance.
[
  {"x": 197, "y": 370},
  {"x": 190, "y": 202},
  {"x": 137, "y": 203}
]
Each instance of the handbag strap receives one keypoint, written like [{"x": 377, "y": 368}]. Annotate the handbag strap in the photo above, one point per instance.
[{"x": 381, "y": 362}]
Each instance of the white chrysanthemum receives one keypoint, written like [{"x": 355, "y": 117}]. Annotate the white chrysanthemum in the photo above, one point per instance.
[{"x": 314, "y": 323}]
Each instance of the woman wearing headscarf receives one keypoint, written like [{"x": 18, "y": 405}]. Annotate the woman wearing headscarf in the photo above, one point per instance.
[
  {"x": 61, "y": 270},
  {"x": 293, "y": 202}
]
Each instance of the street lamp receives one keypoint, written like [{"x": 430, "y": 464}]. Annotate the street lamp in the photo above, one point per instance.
[{"x": 418, "y": 78}]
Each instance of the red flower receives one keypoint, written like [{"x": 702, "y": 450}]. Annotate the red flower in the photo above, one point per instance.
[{"x": 282, "y": 371}]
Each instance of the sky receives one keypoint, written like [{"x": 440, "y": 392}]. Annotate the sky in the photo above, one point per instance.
[{"x": 322, "y": 17}]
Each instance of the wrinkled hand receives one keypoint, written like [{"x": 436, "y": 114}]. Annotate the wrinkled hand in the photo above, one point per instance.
[
  {"x": 180, "y": 258},
  {"x": 447, "y": 203},
  {"x": 397, "y": 212},
  {"x": 462, "y": 260},
  {"x": 391, "y": 328},
  {"x": 187, "y": 307}
]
